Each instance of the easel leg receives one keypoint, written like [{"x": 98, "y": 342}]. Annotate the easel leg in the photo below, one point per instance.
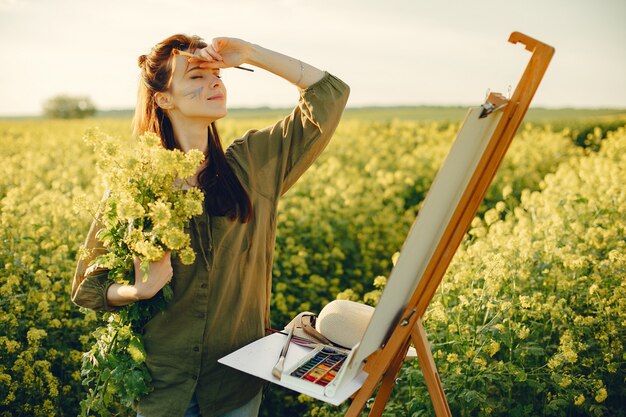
[
  {"x": 388, "y": 382},
  {"x": 385, "y": 368},
  {"x": 381, "y": 366},
  {"x": 363, "y": 394},
  {"x": 427, "y": 363}
]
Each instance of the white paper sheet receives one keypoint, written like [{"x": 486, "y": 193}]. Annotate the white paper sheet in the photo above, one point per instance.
[{"x": 259, "y": 357}]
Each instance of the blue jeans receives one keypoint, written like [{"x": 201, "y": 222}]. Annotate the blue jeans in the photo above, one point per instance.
[{"x": 250, "y": 409}]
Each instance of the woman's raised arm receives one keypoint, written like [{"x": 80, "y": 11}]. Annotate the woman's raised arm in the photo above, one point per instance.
[{"x": 230, "y": 52}]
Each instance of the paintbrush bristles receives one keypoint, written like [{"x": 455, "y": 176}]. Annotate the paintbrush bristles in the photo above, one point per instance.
[
  {"x": 278, "y": 369},
  {"x": 187, "y": 54}
]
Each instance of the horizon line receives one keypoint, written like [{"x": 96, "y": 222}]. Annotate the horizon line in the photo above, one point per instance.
[{"x": 354, "y": 107}]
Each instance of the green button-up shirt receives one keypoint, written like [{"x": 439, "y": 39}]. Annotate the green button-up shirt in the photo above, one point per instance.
[{"x": 221, "y": 302}]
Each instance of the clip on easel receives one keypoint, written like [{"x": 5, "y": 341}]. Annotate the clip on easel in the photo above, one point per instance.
[{"x": 384, "y": 364}]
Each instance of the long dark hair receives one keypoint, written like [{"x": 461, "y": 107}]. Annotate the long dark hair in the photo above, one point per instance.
[{"x": 224, "y": 194}]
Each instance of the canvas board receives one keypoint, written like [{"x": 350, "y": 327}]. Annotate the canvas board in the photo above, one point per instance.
[{"x": 439, "y": 205}]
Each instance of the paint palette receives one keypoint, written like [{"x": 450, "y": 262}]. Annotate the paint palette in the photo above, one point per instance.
[{"x": 317, "y": 369}]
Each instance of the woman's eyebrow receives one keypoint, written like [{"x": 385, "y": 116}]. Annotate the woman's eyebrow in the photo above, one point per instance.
[{"x": 191, "y": 69}]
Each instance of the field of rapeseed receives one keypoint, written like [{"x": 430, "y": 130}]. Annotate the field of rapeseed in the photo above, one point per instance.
[{"x": 529, "y": 319}]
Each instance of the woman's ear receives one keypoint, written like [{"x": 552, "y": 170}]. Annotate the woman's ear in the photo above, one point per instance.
[{"x": 164, "y": 100}]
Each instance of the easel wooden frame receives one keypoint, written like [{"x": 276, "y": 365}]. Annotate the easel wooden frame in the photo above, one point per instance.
[{"x": 384, "y": 364}]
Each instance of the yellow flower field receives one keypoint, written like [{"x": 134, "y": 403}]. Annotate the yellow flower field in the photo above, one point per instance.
[{"x": 529, "y": 319}]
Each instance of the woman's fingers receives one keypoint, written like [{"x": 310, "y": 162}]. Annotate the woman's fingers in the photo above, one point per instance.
[
  {"x": 218, "y": 43},
  {"x": 210, "y": 54},
  {"x": 221, "y": 53},
  {"x": 211, "y": 65}
]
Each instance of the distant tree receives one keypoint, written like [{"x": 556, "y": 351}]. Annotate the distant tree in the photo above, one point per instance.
[{"x": 69, "y": 107}]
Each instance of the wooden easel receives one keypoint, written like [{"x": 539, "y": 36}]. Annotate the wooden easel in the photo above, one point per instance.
[{"x": 384, "y": 364}]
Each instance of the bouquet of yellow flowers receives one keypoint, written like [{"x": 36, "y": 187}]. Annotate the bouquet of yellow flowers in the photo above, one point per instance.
[{"x": 144, "y": 214}]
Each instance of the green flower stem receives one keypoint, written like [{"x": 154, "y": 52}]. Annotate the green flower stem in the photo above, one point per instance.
[{"x": 96, "y": 392}]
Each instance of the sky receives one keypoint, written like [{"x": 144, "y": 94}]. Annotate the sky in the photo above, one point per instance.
[{"x": 390, "y": 52}]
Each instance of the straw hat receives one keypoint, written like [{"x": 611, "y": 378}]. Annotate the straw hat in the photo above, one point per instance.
[{"x": 342, "y": 322}]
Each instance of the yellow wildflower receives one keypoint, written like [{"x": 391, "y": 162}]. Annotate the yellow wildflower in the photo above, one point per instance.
[
  {"x": 555, "y": 361},
  {"x": 601, "y": 395},
  {"x": 452, "y": 358},
  {"x": 135, "y": 353},
  {"x": 506, "y": 191},
  {"x": 35, "y": 335},
  {"x": 524, "y": 301},
  {"x": 481, "y": 362},
  {"x": 187, "y": 256},
  {"x": 175, "y": 238},
  {"x": 380, "y": 281},
  {"x": 491, "y": 216},
  {"x": 160, "y": 213},
  {"x": 523, "y": 332},
  {"x": 492, "y": 348}
]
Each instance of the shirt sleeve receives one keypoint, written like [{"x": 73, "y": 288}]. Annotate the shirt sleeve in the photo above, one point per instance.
[
  {"x": 91, "y": 283},
  {"x": 272, "y": 159}
]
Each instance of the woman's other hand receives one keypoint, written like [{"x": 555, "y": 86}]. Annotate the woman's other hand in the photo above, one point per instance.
[{"x": 159, "y": 274}]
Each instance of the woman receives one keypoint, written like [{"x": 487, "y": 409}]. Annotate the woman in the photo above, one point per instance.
[{"x": 221, "y": 302}]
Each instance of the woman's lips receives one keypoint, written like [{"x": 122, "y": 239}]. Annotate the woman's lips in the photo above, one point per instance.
[{"x": 216, "y": 97}]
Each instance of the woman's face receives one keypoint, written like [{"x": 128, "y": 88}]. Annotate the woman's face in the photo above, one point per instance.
[{"x": 196, "y": 92}]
